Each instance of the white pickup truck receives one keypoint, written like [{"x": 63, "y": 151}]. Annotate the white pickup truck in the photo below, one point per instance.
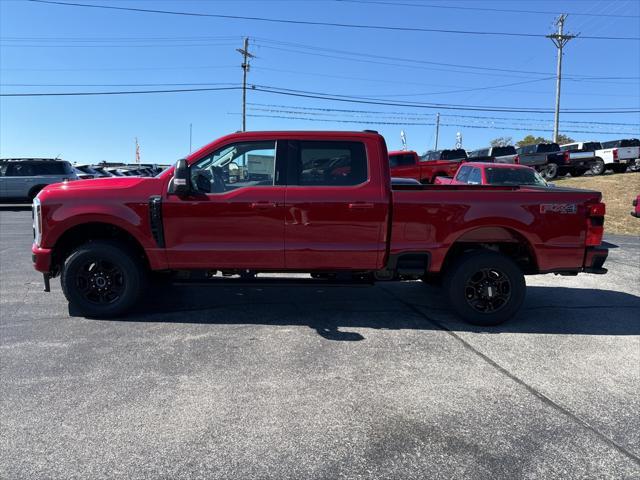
[{"x": 617, "y": 155}]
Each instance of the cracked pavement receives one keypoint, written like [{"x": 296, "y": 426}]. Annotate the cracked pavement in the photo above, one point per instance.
[{"x": 320, "y": 382}]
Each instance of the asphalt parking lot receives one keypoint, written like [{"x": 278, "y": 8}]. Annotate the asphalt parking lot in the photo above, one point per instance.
[{"x": 309, "y": 382}]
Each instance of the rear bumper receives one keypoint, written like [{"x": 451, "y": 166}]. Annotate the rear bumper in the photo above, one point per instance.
[
  {"x": 41, "y": 258},
  {"x": 594, "y": 260}
]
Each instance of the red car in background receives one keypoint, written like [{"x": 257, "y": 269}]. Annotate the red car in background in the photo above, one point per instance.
[
  {"x": 484, "y": 173},
  {"x": 425, "y": 169},
  {"x": 636, "y": 207}
]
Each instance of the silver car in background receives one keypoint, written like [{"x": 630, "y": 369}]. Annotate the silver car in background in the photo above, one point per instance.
[{"x": 23, "y": 178}]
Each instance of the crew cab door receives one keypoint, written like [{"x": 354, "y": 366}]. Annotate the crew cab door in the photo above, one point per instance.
[
  {"x": 336, "y": 206},
  {"x": 235, "y": 219}
]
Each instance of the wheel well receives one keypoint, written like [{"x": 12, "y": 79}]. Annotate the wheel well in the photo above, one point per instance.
[
  {"x": 518, "y": 249},
  {"x": 86, "y": 232}
]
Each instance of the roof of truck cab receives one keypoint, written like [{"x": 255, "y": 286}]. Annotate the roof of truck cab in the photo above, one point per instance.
[
  {"x": 497, "y": 165},
  {"x": 293, "y": 134},
  {"x": 402, "y": 152}
]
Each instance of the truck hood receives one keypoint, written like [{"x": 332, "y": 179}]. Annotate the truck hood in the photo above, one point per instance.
[{"x": 123, "y": 188}]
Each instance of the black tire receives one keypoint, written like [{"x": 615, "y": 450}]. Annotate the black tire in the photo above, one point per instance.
[
  {"x": 102, "y": 279},
  {"x": 598, "y": 167},
  {"x": 619, "y": 168},
  {"x": 550, "y": 171},
  {"x": 34, "y": 191},
  {"x": 470, "y": 282},
  {"x": 576, "y": 172}
]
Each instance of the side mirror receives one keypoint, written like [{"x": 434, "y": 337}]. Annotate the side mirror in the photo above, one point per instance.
[{"x": 181, "y": 181}]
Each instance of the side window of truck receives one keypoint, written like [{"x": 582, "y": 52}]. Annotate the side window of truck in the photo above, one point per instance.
[
  {"x": 463, "y": 174},
  {"x": 475, "y": 177},
  {"x": 239, "y": 165},
  {"x": 328, "y": 163}
]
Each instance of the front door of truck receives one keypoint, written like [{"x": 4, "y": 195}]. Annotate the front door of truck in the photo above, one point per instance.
[
  {"x": 235, "y": 218},
  {"x": 335, "y": 215}
]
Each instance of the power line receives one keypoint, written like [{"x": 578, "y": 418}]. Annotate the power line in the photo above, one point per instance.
[
  {"x": 427, "y": 124},
  {"x": 482, "y": 9},
  {"x": 529, "y": 123},
  {"x": 429, "y": 115},
  {"x": 405, "y": 82},
  {"x": 309, "y": 22},
  {"x": 260, "y": 40},
  {"x": 421, "y": 67},
  {"x": 119, "y": 92},
  {"x": 337, "y": 98}
]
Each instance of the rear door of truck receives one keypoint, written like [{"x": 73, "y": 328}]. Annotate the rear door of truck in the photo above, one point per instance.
[{"x": 336, "y": 203}]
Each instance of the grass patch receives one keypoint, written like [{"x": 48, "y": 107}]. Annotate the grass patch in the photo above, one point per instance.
[{"x": 618, "y": 191}]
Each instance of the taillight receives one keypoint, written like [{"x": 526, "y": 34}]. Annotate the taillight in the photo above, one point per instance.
[
  {"x": 516, "y": 159},
  {"x": 567, "y": 157},
  {"x": 595, "y": 224},
  {"x": 615, "y": 153}
]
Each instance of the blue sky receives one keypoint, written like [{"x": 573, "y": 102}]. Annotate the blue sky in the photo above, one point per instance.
[{"x": 106, "y": 50}]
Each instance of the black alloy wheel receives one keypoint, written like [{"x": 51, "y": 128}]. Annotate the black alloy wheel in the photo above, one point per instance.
[
  {"x": 102, "y": 278},
  {"x": 487, "y": 290}
]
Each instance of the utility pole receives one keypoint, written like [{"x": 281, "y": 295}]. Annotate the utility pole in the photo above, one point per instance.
[
  {"x": 559, "y": 39},
  {"x": 245, "y": 68},
  {"x": 437, "y": 129}
]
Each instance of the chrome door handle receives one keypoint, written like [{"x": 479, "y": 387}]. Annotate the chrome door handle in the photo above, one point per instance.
[
  {"x": 360, "y": 206},
  {"x": 263, "y": 205}
]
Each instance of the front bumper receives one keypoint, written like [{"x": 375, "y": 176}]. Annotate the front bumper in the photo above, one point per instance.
[
  {"x": 594, "y": 260},
  {"x": 41, "y": 258}
]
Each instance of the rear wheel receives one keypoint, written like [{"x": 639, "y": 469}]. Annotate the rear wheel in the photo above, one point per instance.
[
  {"x": 597, "y": 167},
  {"x": 619, "y": 167},
  {"x": 485, "y": 287},
  {"x": 550, "y": 171},
  {"x": 102, "y": 279}
]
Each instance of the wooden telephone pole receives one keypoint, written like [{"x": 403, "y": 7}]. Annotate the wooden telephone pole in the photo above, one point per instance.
[
  {"x": 559, "y": 39},
  {"x": 246, "y": 56}
]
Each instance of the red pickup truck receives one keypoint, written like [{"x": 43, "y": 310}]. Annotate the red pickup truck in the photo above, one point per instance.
[
  {"x": 408, "y": 164},
  {"x": 485, "y": 173},
  {"x": 316, "y": 202}
]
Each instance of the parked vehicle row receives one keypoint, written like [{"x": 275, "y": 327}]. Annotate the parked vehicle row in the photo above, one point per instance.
[
  {"x": 23, "y": 178},
  {"x": 549, "y": 159}
]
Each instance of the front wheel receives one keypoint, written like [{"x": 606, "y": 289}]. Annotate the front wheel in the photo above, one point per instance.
[
  {"x": 102, "y": 279},
  {"x": 550, "y": 171},
  {"x": 485, "y": 287},
  {"x": 597, "y": 167}
]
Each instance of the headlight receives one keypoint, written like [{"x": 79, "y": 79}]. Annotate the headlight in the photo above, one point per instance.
[{"x": 37, "y": 221}]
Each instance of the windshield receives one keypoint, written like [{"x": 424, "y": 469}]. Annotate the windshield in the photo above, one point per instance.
[{"x": 513, "y": 176}]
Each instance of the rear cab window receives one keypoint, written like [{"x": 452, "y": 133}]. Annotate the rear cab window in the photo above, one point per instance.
[
  {"x": 327, "y": 163},
  {"x": 405, "y": 160}
]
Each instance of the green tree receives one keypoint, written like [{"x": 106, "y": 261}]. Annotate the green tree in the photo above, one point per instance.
[
  {"x": 501, "y": 142},
  {"x": 531, "y": 140},
  {"x": 563, "y": 139}
]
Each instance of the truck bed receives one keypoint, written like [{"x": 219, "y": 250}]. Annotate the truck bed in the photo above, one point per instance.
[{"x": 551, "y": 221}]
